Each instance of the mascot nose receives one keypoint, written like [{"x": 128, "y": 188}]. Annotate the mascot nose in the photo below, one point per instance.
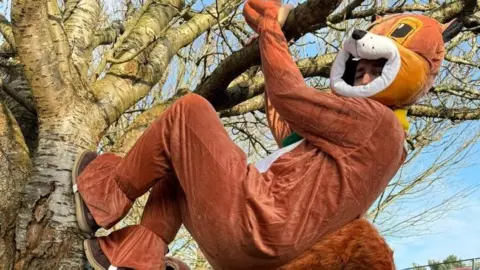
[{"x": 358, "y": 34}]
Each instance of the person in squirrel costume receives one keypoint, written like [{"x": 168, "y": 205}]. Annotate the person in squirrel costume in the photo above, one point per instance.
[{"x": 299, "y": 208}]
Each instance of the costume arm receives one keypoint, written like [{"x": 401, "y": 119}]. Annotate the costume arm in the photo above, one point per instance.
[
  {"x": 329, "y": 121},
  {"x": 280, "y": 129},
  {"x": 335, "y": 124}
]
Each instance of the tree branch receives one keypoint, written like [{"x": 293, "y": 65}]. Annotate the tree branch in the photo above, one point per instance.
[
  {"x": 454, "y": 114},
  {"x": 144, "y": 29},
  {"x": 460, "y": 60},
  {"x": 123, "y": 87},
  {"x": 457, "y": 90},
  {"x": 80, "y": 25},
  {"x": 299, "y": 21},
  {"x": 245, "y": 86},
  {"x": 14, "y": 78},
  {"x": 43, "y": 50},
  {"x": 13, "y": 94},
  {"x": 108, "y": 35},
  {"x": 7, "y": 32},
  {"x": 253, "y": 104}
]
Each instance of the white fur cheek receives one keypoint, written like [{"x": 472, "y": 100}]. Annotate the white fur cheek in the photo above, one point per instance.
[{"x": 339, "y": 65}]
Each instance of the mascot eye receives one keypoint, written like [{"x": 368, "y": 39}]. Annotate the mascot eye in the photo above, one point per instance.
[{"x": 402, "y": 30}]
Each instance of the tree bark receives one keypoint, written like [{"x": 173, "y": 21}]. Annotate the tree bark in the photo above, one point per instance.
[
  {"x": 14, "y": 168},
  {"x": 80, "y": 26},
  {"x": 14, "y": 78},
  {"x": 46, "y": 231},
  {"x": 47, "y": 234}
]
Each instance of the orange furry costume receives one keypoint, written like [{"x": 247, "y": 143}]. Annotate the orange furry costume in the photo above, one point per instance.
[
  {"x": 414, "y": 49},
  {"x": 297, "y": 208}
]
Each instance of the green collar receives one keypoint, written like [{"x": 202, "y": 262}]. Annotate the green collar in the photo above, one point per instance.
[{"x": 291, "y": 139}]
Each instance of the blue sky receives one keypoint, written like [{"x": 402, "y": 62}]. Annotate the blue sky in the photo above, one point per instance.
[{"x": 457, "y": 233}]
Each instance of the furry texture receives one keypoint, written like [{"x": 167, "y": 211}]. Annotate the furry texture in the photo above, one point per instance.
[
  {"x": 357, "y": 245},
  {"x": 424, "y": 39}
]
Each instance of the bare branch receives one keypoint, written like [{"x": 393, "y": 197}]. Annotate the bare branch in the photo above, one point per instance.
[
  {"x": 457, "y": 90},
  {"x": 299, "y": 21},
  {"x": 253, "y": 104},
  {"x": 108, "y": 35},
  {"x": 245, "y": 86},
  {"x": 127, "y": 83},
  {"x": 14, "y": 79},
  {"x": 132, "y": 55},
  {"x": 144, "y": 28},
  {"x": 460, "y": 60},
  {"x": 80, "y": 26},
  {"x": 454, "y": 114},
  {"x": 13, "y": 94},
  {"x": 43, "y": 50},
  {"x": 7, "y": 32}
]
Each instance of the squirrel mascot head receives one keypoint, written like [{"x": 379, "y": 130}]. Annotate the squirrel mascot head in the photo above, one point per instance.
[{"x": 413, "y": 49}]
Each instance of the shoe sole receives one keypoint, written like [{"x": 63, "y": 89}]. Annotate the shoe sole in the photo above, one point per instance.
[
  {"x": 80, "y": 214},
  {"x": 90, "y": 258}
]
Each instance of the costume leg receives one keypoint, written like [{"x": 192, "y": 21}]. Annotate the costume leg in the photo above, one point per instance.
[
  {"x": 144, "y": 246},
  {"x": 190, "y": 141}
]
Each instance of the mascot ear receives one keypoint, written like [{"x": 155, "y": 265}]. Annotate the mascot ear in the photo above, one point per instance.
[{"x": 451, "y": 29}]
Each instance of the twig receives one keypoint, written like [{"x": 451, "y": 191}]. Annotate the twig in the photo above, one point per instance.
[{"x": 121, "y": 39}]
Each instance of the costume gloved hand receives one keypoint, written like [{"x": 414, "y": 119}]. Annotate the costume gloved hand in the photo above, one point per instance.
[{"x": 257, "y": 12}]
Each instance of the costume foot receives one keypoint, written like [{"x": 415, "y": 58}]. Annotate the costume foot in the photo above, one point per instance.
[
  {"x": 85, "y": 220},
  {"x": 95, "y": 256}
]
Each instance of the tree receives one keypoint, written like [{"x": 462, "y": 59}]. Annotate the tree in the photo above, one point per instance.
[
  {"x": 451, "y": 262},
  {"x": 417, "y": 267},
  {"x": 80, "y": 74}
]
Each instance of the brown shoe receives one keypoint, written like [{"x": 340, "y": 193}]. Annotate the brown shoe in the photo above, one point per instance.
[
  {"x": 95, "y": 256},
  {"x": 86, "y": 222},
  {"x": 175, "y": 264}
]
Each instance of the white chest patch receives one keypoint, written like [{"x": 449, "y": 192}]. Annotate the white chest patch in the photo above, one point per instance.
[{"x": 264, "y": 164}]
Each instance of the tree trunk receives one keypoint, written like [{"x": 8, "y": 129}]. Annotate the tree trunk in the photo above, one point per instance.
[
  {"x": 47, "y": 236},
  {"x": 69, "y": 121},
  {"x": 14, "y": 167}
]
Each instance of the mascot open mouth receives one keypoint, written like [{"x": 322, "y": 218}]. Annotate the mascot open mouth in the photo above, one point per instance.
[{"x": 364, "y": 45}]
